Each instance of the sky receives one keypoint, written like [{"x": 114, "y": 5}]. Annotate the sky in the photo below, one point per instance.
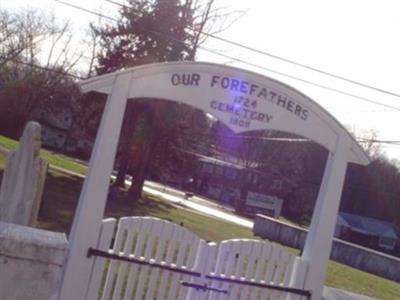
[{"x": 356, "y": 39}]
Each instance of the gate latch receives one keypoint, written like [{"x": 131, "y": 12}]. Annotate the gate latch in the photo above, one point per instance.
[{"x": 203, "y": 288}]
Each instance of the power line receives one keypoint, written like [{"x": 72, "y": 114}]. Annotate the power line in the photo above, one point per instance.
[
  {"x": 246, "y": 136},
  {"x": 271, "y": 70},
  {"x": 303, "y": 65},
  {"x": 289, "y": 61},
  {"x": 390, "y": 142},
  {"x": 86, "y": 10},
  {"x": 47, "y": 69},
  {"x": 82, "y": 78},
  {"x": 302, "y": 80},
  {"x": 301, "y": 139},
  {"x": 246, "y": 62}
]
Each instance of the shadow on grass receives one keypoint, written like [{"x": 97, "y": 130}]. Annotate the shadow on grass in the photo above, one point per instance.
[
  {"x": 122, "y": 206},
  {"x": 60, "y": 199}
]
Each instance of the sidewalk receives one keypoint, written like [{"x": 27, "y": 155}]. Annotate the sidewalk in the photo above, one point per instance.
[{"x": 330, "y": 293}]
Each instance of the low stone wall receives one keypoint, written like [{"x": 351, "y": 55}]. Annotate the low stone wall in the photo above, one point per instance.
[
  {"x": 356, "y": 256},
  {"x": 31, "y": 262},
  {"x": 275, "y": 230}
]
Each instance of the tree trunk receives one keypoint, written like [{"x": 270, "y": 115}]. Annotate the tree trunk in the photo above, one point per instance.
[
  {"x": 244, "y": 189},
  {"x": 122, "y": 167},
  {"x": 138, "y": 181},
  {"x": 132, "y": 117}
]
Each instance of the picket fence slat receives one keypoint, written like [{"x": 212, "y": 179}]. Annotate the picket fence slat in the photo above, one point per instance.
[
  {"x": 126, "y": 242},
  {"x": 113, "y": 266},
  {"x": 104, "y": 242},
  {"x": 165, "y": 232},
  {"x": 135, "y": 226},
  {"x": 165, "y": 290},
  {"x": 162, "y": 290},
  {"x": 151, "y": 230}
]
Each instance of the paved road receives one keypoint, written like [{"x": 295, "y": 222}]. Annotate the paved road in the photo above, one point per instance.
[{"x": 197, "y": 203}]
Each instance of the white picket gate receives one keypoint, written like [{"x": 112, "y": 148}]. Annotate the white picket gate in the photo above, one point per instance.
[{"x": 170, "y": 262}]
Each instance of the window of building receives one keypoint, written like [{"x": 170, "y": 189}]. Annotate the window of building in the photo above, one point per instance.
[
  {"x": 208, "y": 168},
  {"x": 255, "y": 179},
  {"x": 230, "y": 173},
  {"x": 387, "y": 243},
  {"x": 274, "y": 169},
  {"x": 252, "y": 178},
  {"x": 277, "y": 184},
  {"x": 219, "y": 170}
]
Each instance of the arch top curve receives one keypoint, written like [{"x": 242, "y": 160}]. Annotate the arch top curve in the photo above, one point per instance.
[{"x": 241, "y": 99}]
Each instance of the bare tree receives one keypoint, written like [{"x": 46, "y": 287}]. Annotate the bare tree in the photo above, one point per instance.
[
  {"x": 368, "y": 139},
  {"x": 11, "y": 41},
  {"x": 34, "y": 71}
]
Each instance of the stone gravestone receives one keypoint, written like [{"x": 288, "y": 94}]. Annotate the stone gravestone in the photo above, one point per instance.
[{"x": 23, "y": 180}]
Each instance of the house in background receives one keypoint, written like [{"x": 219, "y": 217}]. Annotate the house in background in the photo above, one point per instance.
[
  {"x": 55, "y": 127},
  {"x": 368, "y": 232},
  {"x": 222, "y": 180},
  {"x": 79, "y": 143},
  {"x": 60, "y": 133}
]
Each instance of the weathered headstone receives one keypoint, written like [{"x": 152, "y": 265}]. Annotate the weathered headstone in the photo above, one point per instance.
[{"x": 23, "y": 180}]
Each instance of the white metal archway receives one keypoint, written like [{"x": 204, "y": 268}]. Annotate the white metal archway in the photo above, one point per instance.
[{"x": 243, "y": 101}]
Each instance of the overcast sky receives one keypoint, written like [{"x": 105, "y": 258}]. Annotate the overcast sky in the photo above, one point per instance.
[{"x": 357, "y": 39}]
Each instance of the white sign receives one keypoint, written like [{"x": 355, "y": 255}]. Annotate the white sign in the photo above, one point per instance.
[{"x": 265, "y": 202}]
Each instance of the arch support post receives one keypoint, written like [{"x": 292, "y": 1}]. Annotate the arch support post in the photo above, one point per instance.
[
  {"x": 90, "y": 210},
  {"x": 319, "y": 239}
]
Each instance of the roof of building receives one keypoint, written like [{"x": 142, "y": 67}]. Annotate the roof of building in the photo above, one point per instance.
[
  {"x": 368, "y": 225},
  {"x": 222, "y": 159},
  {"x": 219, "y": 162}
]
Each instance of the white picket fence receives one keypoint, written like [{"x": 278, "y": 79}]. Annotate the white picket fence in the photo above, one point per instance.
[{"x": 165, "y": 244}]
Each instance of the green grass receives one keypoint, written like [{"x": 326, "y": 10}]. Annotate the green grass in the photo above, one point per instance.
[
  {"x": 53, "y": 158},
  {"x": 62, "y": 191},
  {"x": 60, "y": 197},
  {"x": 8, "y": 143},
  {"x": 210, "y": 229},
  {"x": 2, "y": 160},
  {"x": 356, "y": 281},
  {"x": 63, "y": 163}
]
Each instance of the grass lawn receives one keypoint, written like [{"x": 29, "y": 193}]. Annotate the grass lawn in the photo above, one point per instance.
[
  {"x": 351, "y": 279},
  {"x": 7, "y": 142},
  {"x": 62, "y": 191},
  {"x": 53, "y": 158},
  {"x": 2, "y": 160}
]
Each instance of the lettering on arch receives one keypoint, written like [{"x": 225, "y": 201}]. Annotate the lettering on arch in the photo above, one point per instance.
[{"x": 240, "y": 99}]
